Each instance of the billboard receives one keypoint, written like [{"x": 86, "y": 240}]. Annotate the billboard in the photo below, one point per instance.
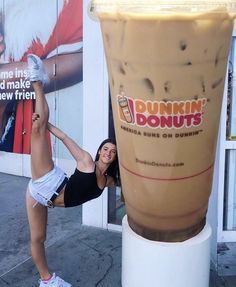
[{"x": 53, "y": 30}]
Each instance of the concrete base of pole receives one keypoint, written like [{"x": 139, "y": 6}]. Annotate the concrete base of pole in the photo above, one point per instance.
[{"x": 161, "y": 264}]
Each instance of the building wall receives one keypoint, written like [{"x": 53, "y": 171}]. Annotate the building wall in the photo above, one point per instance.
[
  {"x": 96, "y": 109},
  {"x": 212, "y": 215}
]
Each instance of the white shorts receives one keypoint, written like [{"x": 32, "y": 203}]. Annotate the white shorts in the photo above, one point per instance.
[{"x": 43, "y": 188}]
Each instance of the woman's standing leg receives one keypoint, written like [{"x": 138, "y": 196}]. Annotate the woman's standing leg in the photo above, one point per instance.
[
  {"x": 41, "y": 163},
  {"x": 37, "y": 217}
]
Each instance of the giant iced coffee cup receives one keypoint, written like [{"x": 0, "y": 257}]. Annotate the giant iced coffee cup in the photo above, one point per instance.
[{"x": 167, "y": 63}]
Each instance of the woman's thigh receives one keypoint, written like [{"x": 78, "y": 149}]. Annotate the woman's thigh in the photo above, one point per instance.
[{"x": 41, "y": 158}]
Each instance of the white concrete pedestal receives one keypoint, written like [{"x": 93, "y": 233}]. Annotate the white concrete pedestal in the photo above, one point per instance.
[{"x": 147, "y": 263}]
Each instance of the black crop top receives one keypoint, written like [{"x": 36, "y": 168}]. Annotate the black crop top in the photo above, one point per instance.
[{"x": 81, "y": 187}]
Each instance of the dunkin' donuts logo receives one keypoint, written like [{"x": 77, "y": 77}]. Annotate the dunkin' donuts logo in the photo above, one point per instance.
[{"x": 155, "y": 114}]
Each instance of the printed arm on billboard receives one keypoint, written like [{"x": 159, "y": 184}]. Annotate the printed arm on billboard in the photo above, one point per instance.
[{"x": 63, "y": 70}]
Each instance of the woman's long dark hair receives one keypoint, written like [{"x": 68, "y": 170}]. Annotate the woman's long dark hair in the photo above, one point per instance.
[{"x": 113, "y": 169}]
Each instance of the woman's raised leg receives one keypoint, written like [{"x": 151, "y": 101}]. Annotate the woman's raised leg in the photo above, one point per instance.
[{"x": 41, "y": 160}]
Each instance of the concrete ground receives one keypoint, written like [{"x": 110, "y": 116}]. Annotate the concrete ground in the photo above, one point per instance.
[{"x": 84, "y": 256}]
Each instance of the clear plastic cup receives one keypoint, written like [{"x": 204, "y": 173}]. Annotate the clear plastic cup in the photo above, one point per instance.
[{"x": 167, "y": 63}]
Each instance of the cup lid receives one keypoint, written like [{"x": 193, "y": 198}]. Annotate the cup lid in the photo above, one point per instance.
[{"x": 164, "y": 6}]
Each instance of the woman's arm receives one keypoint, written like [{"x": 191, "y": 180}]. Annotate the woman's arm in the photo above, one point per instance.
[{"x": 76, "y": 151}]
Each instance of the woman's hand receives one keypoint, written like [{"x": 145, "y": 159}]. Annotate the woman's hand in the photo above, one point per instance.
[{"x": 35, "y": 117}]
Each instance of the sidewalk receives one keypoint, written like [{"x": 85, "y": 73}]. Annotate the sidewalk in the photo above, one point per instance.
[{"x": 84, "y": 256}]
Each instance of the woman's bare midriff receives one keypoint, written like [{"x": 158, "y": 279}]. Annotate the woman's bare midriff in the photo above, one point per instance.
[{"x": 59, "y": 200}]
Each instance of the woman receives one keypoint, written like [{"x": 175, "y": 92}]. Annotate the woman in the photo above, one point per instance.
[{"x": 49, "y": 185}]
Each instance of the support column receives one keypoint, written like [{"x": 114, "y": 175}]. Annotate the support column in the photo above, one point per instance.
[{"x": 161, "y": 264}]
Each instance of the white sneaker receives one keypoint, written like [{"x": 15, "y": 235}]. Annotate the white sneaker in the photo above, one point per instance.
[
  {"x": 36, "y": 71},
  {"x": 55, "y": 281}
]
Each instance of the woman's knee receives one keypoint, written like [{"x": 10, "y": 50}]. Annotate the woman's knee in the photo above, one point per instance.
[{"x": 38, "y": 238}]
